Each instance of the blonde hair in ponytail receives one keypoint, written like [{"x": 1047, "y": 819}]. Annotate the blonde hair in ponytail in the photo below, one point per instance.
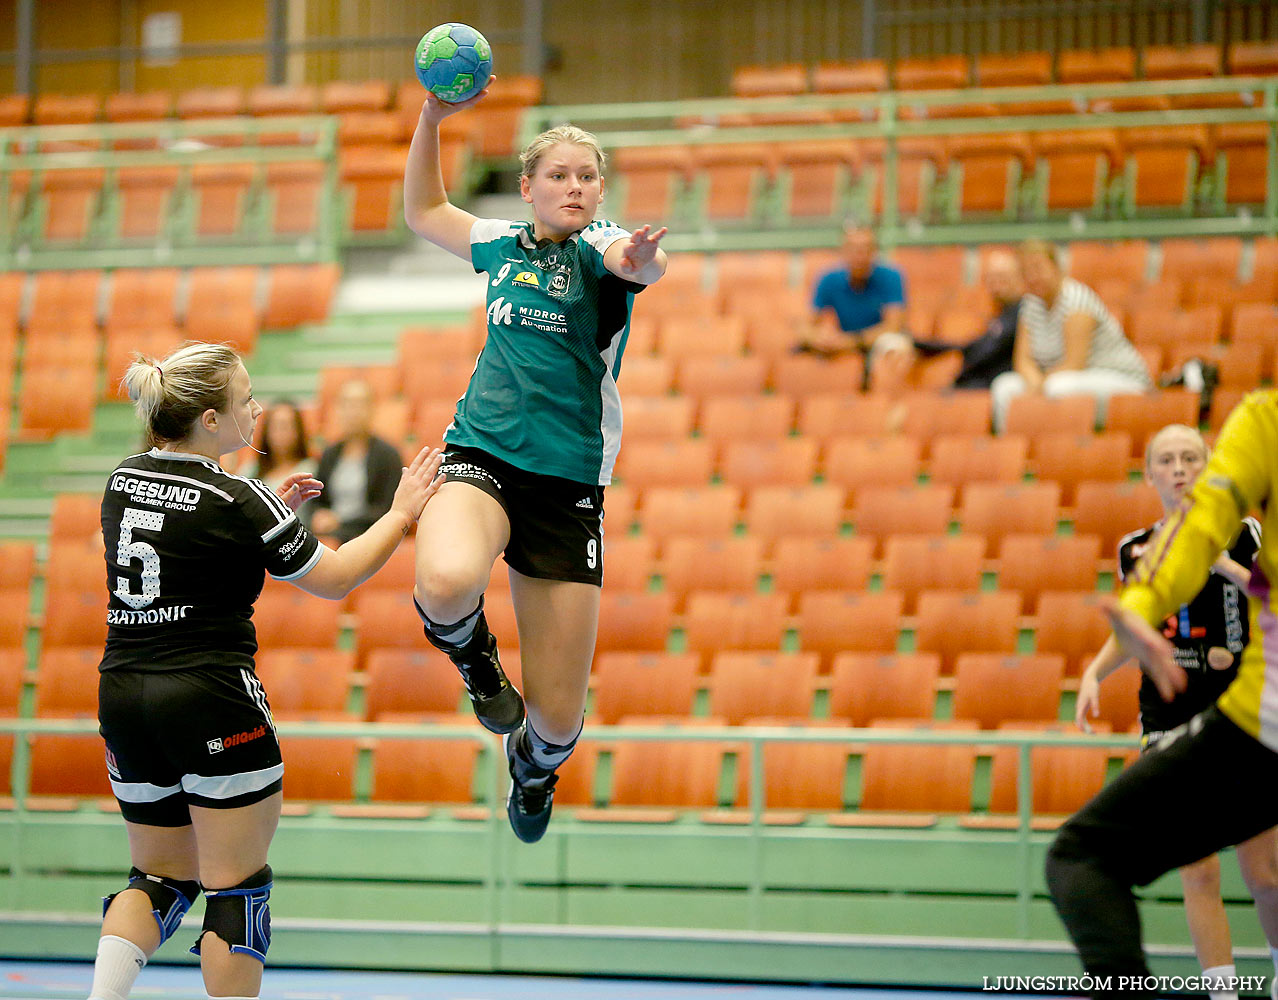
[{"x": 170, "y": 394}]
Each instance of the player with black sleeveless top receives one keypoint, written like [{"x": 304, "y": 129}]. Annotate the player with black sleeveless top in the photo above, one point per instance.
[{"x": 191, "y": 747}]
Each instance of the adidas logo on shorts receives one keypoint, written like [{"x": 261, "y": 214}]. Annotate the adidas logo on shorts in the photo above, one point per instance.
[{"x": 586, "y": 503}]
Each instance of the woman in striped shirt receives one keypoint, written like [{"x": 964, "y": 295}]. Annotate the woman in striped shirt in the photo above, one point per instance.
[{"x": 1067, "y": 342}]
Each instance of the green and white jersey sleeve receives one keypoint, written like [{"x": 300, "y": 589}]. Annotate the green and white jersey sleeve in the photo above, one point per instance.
[{"x": 543, "y": 395}]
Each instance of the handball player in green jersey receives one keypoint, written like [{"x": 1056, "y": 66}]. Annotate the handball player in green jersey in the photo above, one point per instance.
[{"x": 532, "y": 442}]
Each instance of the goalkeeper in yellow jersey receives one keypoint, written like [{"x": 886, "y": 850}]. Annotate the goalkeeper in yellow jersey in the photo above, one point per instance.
[{"x": 1209, "y": 783}]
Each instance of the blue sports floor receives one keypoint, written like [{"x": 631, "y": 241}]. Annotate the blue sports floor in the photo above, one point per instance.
[{"x": 70, "y": 981}]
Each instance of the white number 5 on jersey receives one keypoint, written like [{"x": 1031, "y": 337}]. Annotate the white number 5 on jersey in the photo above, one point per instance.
[{"x": 128, "y": 550}]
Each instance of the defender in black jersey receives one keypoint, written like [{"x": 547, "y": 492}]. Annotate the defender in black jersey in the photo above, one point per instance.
[
  {"x": 191, "y": 747},
  {"x": 1208, "y": 636}
]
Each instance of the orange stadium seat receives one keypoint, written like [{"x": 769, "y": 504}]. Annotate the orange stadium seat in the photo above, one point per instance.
[
  {"x": 881, "y": 513},
  {"x": 17, "y": 564},
  {"x": 769, "y": 81},
  {"x": 776, "y": 511},
  {"x": 855, "y": 76},
  {"x": 652, "y": 463},
  {"x": 1062, "y": 779},
  {"x": 801, "y": 776},
  {"x": 661, "y": 418},
  {"x": 644, "y": 684},
  {"x": 147, "y": 196},
  {"x": 222, "y": 305},
  {"x": 1073, "y": 169},
  {"x": 14, "y": 617},
  {"x": 996, "y": 510},
  {"x": 619, "y": 509},
  {"x": 1072, "y": 624},
  {"x": 1112, "y": 509},
  {"x": 986, "y": 171},
  {"x": 424, "y": 770},
  {"x": 397, "y": 573},
  {"x": 961, "y": 460},
  {"x": 299, "y": 293},
  {"x": 646, "y": 375},
  {"x": 1142, "y": 414},
  {"x": 707, "y": 510},
  {"x": 916, "y": 563},
  {"x": 1119, "y": 701},
  {"x": 340, "y": 96},
  {"x": 74, "y": 351},
  {"x": 52, "y": 401},
  {"x": 721, "y": 376},
  {"x": 920, "y": 159},
  {"x": 833, "y": 622},
  {"x": 120, "y": 346},
  {"x": 71, "y": 200},
  {"x": 319, "y": 770},
  {"x": 991, "y": 688},
  {"x": 1096, "y": 65},
  {"x": 747, "y": 685},
  {"x": 144, "y": 298},
  {"x": 1242, "y": 365},
  {"x": 1186, "y": 258},
  {"x": 1030, "y": 564},
  {"x": 668, "y": 774},
  {"x": 1253, "y": 58},
  {"x": 867, "y": 686},
  {"x": 1069, "y": 459},
  {"x": 410, "y": 680},
  {"x": 785, "y": 462},
  {"x": 917, "y": 778},
  {"x": 1161, "y": 165},
  {"x": 746, "y": 418},
  {"x": 685, "y": 337},
  {"x": 803, "y": 377},
  {"x": 929, "y": 415},
  {"x": 1013, "y": 69},
  {"x": 634, "y": 622},
  {"x": 629, "y": 560},
  {"x": 863, "y": 463},
  {"x": 210, "y": 102},
  {"x": 734, "y": 177},
  {"x": 845, "y": 414},
  {"x": 723, "y": 564},
  {"x": 74, "y": 617},
  {"x": 371, "y": 128},
  {"x": 1036, "y": 415},
  {"x": 66, "y": 764},
  {"x": 372, "y": 179},
  {"x": 817, "y": 176},
  {"x": 1092, "y": 262},
  {"x": 286, "y": 99},
  {"x": 74, "y": 563},
  {"x": 64, "y": 302},
  {"x": 294, "y": 190},
  {"x": 715, "y": 622},
  {"x": 76, "y": 517},
  {"x": 1241, "y": 156},
  {"x": 221, "y": 192},
  {"x": 12, "y": 663},
  {"x": 124, "y": 107},
  {"x": 305, "y": 680},
  {"x": 800, "y": 564},
  {"x": 652, "y": 180},
  {"x": 286, "y": 616},
  {"x": 952, "y": 623}
]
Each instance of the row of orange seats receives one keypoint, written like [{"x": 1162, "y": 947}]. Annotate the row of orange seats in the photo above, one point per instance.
[
  {"x": 859, "y": 689},
  {"x": 654, "y": 781},
  {"x": 1016, "y": 69}
]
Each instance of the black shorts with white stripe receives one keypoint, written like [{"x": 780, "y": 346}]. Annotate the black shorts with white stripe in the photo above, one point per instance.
[{"x": 187, "y": 737}]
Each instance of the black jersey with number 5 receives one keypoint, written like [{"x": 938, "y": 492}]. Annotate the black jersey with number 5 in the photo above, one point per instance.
[{"x": 188, "y": 546}]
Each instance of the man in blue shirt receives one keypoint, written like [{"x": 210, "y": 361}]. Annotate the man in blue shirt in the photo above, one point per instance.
[{"x": 860, "y": 306}]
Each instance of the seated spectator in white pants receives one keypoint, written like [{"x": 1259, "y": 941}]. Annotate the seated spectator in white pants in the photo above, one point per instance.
[{"x": 1067, "y": 342}]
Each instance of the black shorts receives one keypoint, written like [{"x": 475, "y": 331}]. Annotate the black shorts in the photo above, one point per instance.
[
  {"x": 187, "y": 737},
  {"x": 556, "y": 525}
]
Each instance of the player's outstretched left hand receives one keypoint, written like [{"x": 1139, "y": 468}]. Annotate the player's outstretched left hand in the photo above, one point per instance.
[
  {"x": 298, "y": 488},
  {"x": 1149, "y": 647},
  {"x": 419, "y": 482},
  {"x": 639, "y": 252}
]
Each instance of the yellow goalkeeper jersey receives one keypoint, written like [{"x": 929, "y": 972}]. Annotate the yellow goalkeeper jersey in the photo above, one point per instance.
[{"x": 1241, "y": 476}]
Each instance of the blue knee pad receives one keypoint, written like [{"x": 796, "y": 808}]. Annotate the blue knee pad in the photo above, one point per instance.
[
  {"x": 170, "y": 898},
  {"x": 240, "y": 915}
]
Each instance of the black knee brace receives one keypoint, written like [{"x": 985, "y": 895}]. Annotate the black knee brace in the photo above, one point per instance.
[
  {"x": 170, "y": 898},
  {"x": 240, "y": 915}
]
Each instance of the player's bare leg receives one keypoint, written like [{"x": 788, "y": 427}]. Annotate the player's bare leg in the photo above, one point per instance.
[
  {"x": 232, "y": 850},
  {"x": 1205, "y": 915},
  {"x": 460, "y": 535},
  {"x": 557, "y": 625}
]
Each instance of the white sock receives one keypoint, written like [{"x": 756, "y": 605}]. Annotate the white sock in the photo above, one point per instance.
[
  {"x": 116, "y": 969},
  {"x": 1220, "y": 974}
]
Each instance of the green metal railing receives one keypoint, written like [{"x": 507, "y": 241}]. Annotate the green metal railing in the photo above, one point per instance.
[
  {"x": 498, "y": 879},
  {"x": 660, "y": 123},
  {"x": 184, "y": 144}
]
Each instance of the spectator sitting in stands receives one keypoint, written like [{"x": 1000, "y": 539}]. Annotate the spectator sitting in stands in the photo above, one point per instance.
[
  {"x": 284, "y": 447},
  {"x": 990, "y": 354},
  {"x": 861, "y": 307},
  {"x": 1067, "y": 342},
  {"x": 359, "y": 471}
]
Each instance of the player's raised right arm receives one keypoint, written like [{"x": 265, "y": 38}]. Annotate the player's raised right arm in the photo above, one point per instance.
[{"x": 427, "y": 209}]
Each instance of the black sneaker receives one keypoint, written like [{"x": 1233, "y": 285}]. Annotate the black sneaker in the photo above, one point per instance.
[
  {"x": 528, "y": 804},
  {"x": 498, "y": 706}
]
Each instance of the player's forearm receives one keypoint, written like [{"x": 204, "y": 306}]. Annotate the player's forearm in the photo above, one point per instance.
[
  {"x": 651, "y": 271},
  {"x": 365, "y": 554},
  {"x": 1109, "y": 659},
  {"x": 1232, "y": 571},
  {"x": 424, "y": 188}
]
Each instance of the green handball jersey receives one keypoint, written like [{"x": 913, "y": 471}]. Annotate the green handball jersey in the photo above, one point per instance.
[{"x": 543, "y": 395}]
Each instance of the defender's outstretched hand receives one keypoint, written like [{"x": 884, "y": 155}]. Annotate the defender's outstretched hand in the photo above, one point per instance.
[
  {"x": 1150, "y": 648},
  {"x": 419, "y": 482},
  {"x": 298, "y": 488}
]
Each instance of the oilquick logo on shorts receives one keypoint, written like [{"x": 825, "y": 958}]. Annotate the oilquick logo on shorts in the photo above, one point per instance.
[
  {"x": 527, "y": 278},
  {"x": 226, "y": 742}
]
